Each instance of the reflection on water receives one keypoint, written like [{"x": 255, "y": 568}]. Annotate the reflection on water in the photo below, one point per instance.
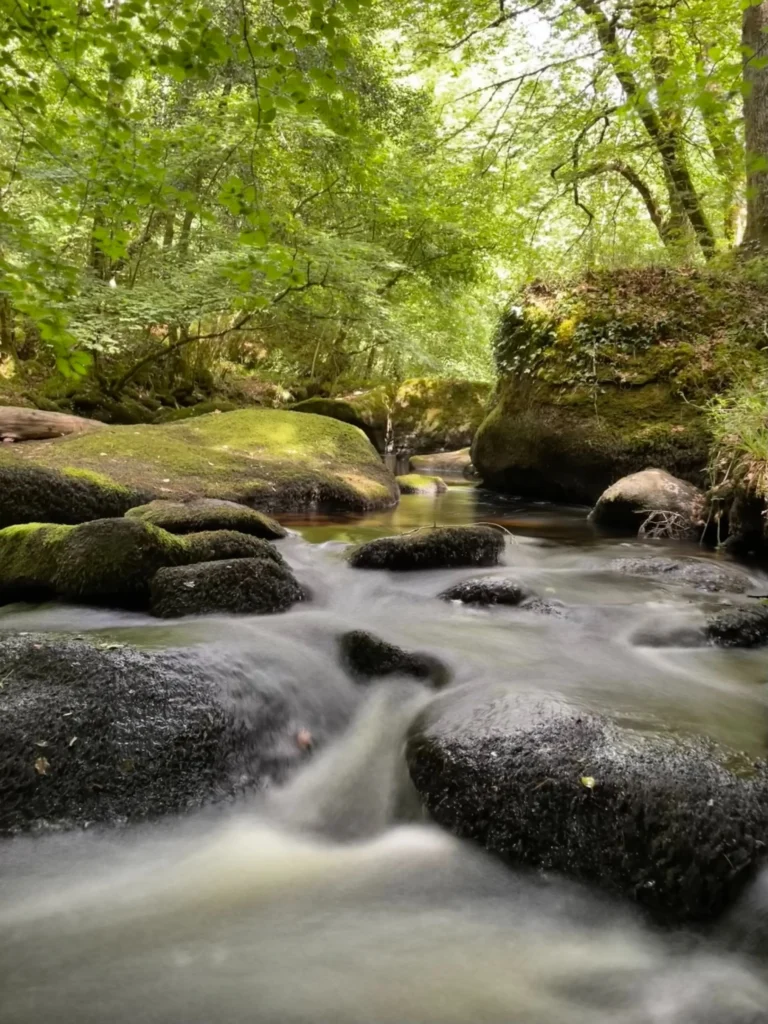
[{"x": 464, "y": 502}]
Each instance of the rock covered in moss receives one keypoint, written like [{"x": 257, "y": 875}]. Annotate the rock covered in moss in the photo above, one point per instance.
[
  {"x": 33, "y": 494},
  {"x": 269, "y": 459},
  {"x": 742, "y": 626},
  {"x": 107, "y": 561},
  {"x": 214, "y": 545},
  {"x": 101, "y": 732},
  {"x": 606, "y": 375},
  {"x": 365, "y": 657},
  {"x": 244, "y": 586},
  {"x": 675, "y": 825},
  {"x": 438, "y": 414},
  {"x": 203, "y": 514},
  {"x": 699, "y": 573},
  {"x": 668, "y": 506},
  {"x": 458, "y": 463},
  {"x": 440, "y": 548},
  {"x": 342, "y": 410},
  {"x": 487, "y": 590},
  {"x": 416, "y": 483}
]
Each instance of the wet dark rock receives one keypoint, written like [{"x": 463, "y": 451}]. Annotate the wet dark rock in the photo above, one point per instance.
[
  {"x": 743, "y": 626},
  {"x": 105, "y": 733},
  {"x": 486, "y": 591},
  {"x": 213, "y": 545},
  {"x": 692, "y": 572},
  {"x": 203, "y": 514},
  {"x": 676, "y": 505},
  {"x": 677, "y": 825},
  {"x": 670, "y": 634},
  {"x": 546, "y": 606},
  {"x": 440, "y": 548},
  {"x": 366, "y": 657},
  {"x": 254, "y": 586}
]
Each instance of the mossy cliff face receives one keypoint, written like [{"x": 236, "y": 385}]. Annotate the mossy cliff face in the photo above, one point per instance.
[
  {"x": 431, "y": 415},
  {"x": 609, "y": 376},
  {"x": 266, "y": 458}
]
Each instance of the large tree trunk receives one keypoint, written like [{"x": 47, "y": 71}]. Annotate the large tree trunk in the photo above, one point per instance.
[
  {"x": 17, "y": 424},
  {"x": 755, "y": 40}
]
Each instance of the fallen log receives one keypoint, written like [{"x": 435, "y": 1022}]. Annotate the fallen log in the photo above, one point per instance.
[{"x": 19, "y": 424}]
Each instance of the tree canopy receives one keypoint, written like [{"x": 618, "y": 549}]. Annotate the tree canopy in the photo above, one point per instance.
[{"x": 341, "y": 190}]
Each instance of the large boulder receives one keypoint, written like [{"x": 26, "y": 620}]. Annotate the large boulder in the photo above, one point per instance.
[
  {"x": 246, "y": 586},
  {"x": 366, "y": 657},
  {"x": 266, "y": 458},
  {"x": 654, "y": 500},
  {"x": 203, "y": 514},
  {"x": 676, "y": 824},
  {"x": 458, "y": 463},
  {"x": 344, "y": 411},
  {"x": 416, "y": 483},
  {"x": 611, "y": 373},
  {"x": 103, "y": 732},
  {"x": 440, "y": 548},
  {"x": 33, "y": 494}
]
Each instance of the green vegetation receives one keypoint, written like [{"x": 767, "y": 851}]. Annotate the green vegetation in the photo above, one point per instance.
[
  {"x": 206, "y": 514},
  {"x": 417, "y": 483},
  {"x": 205, "y": 207}
]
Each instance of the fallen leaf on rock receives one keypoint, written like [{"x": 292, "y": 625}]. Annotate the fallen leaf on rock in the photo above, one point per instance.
[
  {"x": 587, "y": 782},
  {"x": 304, "y": 739},
  {"x": 42, "y": 764}
]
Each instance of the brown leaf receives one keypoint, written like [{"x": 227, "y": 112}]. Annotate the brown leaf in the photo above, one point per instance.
[{"x": 42, "y": 764}]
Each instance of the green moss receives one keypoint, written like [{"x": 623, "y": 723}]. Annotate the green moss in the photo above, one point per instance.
[
  {"x": 268, "y": 458},
  {"x": 416, "y": 483},
  {"x": 207, "y": 514},
  {"x": 28, "y": 559},
  {"x": 213, "y": 545},
  {"x": 190, "y": 412},
  {"x": 431, "y": 414},
  {"x": 31, "y": 493}
]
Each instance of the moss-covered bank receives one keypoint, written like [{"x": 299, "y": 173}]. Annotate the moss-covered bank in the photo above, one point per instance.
[
  {"x": 610, "y": 374},
  {"x": 266, "y": 458}
]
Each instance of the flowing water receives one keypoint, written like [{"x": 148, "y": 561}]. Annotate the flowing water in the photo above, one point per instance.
[{"x": 331, "y": 900}]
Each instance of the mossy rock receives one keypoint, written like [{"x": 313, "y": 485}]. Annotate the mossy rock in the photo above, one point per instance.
[
  {"x": 343, "y": 411},
  {"x": 417, "y": 483},
  {"x": 436, "y": 414},
  {"x": 458, "y": 463},
  {"x": 607, "y": 375},
  {"x": 207, "y": 514},
  {"x": 245, "y": 586},
  {"x": 31, "y": 493},
  {"x": 107, "y": 561},
  {"x": 266, "y": 458},
  {"x": 440, "y": 548}
]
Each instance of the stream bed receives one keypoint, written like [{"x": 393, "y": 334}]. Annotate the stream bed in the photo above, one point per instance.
[{"x": 332, "y": 899}]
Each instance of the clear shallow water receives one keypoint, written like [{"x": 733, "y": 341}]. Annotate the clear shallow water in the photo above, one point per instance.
[{"x": 331, "y": 900}]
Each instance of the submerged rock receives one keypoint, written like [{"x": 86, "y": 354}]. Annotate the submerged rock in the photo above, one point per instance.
[
  {"x": 33, "y": 494},
  {"x": 692, "y": 572},
  {"x": 107, "y": 733},
  {"x": 365, "y": 657},
  {"x": 670, "y": 507},
  {"x": 744, "y": 626},
  {"x": 439, "y": 548},
  {"x": 202, "y": 514},
  {"x": 269, "y": 459},
  {"x": 678, "y": 825},
  {"x": 458, "y": 463},
  {"x": 416, "y": 483},
  {"x": 486, "y": 590},
  {"x": 253, "y": 586}
]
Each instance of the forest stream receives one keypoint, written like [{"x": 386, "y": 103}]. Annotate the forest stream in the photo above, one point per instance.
[{"x": 332, "y": 898}]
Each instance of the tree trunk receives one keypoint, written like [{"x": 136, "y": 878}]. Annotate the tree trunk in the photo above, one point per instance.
[
  {"x": 755, "y": 41},
  {"x": 18, "y": 424}
]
